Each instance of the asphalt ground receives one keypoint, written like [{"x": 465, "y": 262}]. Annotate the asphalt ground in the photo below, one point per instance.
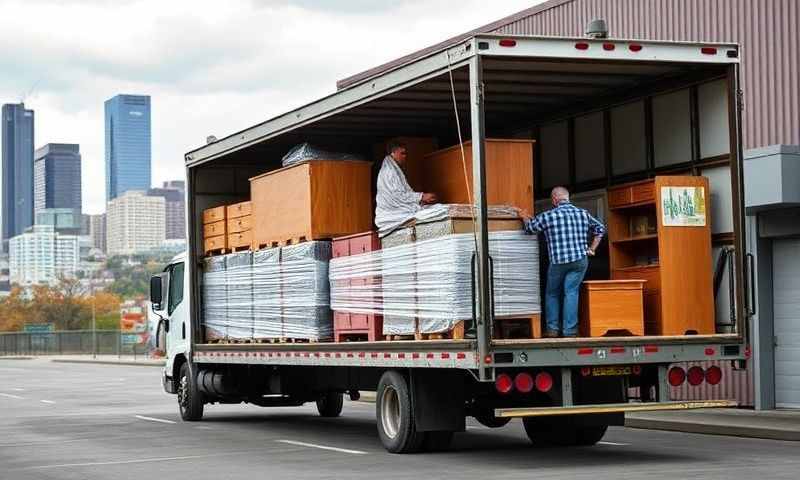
[{"x": 87, "y": 421}]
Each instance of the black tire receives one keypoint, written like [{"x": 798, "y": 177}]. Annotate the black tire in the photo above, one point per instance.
[
  {"x": 329, "y": 405},
  {"x": 190, "y": 399},
  {"x": 396, "y": 426},
  {"x": 437, "y": 441},
  {"x": 487, "y": 419},
  {"x": 562, "y": 435}
]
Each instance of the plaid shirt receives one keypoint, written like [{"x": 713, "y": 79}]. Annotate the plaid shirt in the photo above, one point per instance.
[{"x": 566, "y": 229}]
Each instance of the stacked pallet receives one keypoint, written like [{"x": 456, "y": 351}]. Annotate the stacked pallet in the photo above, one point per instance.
[
  {"x": 215, "y": 240},
  {"x": 239, "y": 226},
  {"x": 349, "y": 325}
]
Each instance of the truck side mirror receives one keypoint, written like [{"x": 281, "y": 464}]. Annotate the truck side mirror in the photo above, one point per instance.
[{"x": 157, "y": 291}]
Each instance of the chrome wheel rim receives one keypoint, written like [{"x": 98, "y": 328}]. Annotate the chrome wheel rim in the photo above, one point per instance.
[{"x": 390, "y": 411}]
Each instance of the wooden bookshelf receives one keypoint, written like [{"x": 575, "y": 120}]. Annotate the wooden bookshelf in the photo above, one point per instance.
[{"x": 674, "y": 258}]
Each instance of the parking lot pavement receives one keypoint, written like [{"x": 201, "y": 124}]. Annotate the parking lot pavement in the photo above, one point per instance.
[{"x": 86, "y": 421}]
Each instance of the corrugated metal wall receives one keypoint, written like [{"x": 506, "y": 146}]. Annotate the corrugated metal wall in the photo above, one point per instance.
[{"x": 768, "y": 31}]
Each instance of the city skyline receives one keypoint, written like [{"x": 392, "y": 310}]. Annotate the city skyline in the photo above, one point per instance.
[{"x": 227, "y": 76}]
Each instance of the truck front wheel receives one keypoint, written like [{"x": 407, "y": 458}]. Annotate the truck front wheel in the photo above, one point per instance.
[
  {"x": 562, "y": 435},
  {"x": 330, "y": 404},
  {"x": 190, "y": 399},
  {"x": 396, "y": 425}
]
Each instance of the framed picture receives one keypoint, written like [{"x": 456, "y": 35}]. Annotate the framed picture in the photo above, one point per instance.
[{"x": 683, "y": 206}]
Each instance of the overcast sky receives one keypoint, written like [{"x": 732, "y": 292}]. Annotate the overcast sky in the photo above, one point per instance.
[{"x": 211, "y": 67}]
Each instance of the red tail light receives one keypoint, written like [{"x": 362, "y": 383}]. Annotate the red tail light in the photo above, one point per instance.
[
  {"x": 523, "y": 382},
  {"x": 586, "y": 371},
  {"x": 708, "y": 51},
  {"x": 507, "y": 42},
  {"x": 676, "y": 376},
  {"x": 609, "y": 46},
  {"x": 634, "y": 47},
  {"x": 713, "y": 375},
  {"x": 582, "y": 46},
  {"x": 695, "y": 376},
  {"x": 636, "y": 370},
  {"x": 544, "y": 382},
  {"x": 503, "y": 383}
]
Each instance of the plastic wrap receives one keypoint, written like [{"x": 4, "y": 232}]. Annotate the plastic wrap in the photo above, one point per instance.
[
  {"x": 443, "y": 211},
  {"x": 239, "y": 283},
  {"x": 429, "y": 281},
  {"x": 215, "y": 298},
  {"x": 305, "y": 291},
  {"x": 306, "y": 151},
  {"x": 267, "y": 322}
]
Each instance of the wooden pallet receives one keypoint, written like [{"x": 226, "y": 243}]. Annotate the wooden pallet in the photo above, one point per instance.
[
  {"x": 280, "y": 243},
  {"x": 398, "y": 338},
  {"x": 217, "y": 251},
  {"x": 286, "y": 340},
  {"x": 455, "y": 333},
  {"x": 518, "y": 327}
]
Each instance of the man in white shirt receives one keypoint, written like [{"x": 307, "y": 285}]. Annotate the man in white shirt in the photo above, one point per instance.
[{"x": 396, "y": 202}]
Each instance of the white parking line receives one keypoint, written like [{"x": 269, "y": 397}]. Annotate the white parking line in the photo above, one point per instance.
[
  {"x": 322, "y": 447},
  {"x": 121, "y": 462},
  {"x": 8, "y": 395},
  {"x": 18, "y": 389},
  {"x": 47, "y": 401},
  {"x": 151, "y": 419},
  {"x": 614, "y": 444}
]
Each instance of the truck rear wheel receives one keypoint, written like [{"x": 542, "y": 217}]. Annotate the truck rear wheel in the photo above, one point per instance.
[
  {"x": 396, "y": 425},
  {"x": 562, "y": 435},
  {"x": 330, "y": 404},
  {"x": 190, "y": 399}
]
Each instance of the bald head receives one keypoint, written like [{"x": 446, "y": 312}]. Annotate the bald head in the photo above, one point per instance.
[{"x": 559, "y": 194}]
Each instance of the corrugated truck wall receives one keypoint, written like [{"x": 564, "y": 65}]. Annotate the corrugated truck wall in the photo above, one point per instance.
[{"x": 735, "y": 385}]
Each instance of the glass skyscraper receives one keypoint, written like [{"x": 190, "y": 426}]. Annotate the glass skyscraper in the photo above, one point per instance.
[
  {"x": 17, "y": 195},
  {"x": 127, "y": 144},
  {"x": 57, "y": 177}
]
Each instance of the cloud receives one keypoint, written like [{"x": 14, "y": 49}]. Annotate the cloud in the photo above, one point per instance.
[{"x": 210, "y": 67}]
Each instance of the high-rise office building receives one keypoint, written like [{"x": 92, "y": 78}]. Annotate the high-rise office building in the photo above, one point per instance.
[
  {"x": 175, "y": 213},
  {"x": 57, "y": 177},
  {"x": 135, "y": 223},
  {"x": 97, "y": 231},
  {"x": 66, "y": 221},
  {"x": 17, "y": 139},
  {"x": 42, "y": 255},
  {"x": 127, "y": 119}
]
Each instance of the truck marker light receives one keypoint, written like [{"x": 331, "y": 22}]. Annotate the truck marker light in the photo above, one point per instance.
[
  {"x": 445, "y": 355},
  {"x": 708, "y": 51},
  {"x": 487, "y": 359},
  {"x": 415, "y": 355},
  {"x": 349, "y": 354},
  {"x": 387, "y": 355},
  {"x": 585, "y": 351},
  {"x": 306, "y": 355},
  {"x": 713, "y": 375},
  {"x": 327, "y": 355},
  {"x": 316, "y": 354},
  {"x": 651, "y": 349},
  {"x": 609, "y": 47},
  {"x": 503, "y": 383},
  {"x": 361, "y": 354},
  {"x": 523, "y": 382},
  {"x": 297, "y": 354},
  {"x": 461, "y": 355},
  {"x": 676, "y": 376},
  {"x": 586, "y": 371},
  {"x": 373, "y": 355},
  {"x": 544, "y": 382},
  {"x": 338, "y": 355},
  {"x": 695, "y": 376},
  {"x": 401, "y": 355},
  {"x": 429, "y": 355},
  {"x": 617, "y": 349},
  {"x": 635, "y": 47},
  {"x": 709, "y": 351},
  {"x": 582, "y": 46},
  {"x": 507, "y": 42},
  {"x": 636, "y": 370}
]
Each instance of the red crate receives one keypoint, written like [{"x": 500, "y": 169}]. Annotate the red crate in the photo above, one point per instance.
[{"x": 355, "y": 326}]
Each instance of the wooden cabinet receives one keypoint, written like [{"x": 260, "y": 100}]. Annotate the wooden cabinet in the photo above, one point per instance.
[
  {"x": 612, "y": 307},
  {"x": 315, "y": 200},
  {"x": 214, "y": 228},
  {"x": 509, "y": 173},
  {"x": 659, "y": 231},
  {"x": 215, "y": 214},
  {"x": 240, "y": 209}
]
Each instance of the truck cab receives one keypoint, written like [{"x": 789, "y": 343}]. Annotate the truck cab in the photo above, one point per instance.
[{"x": 168, "y": 299}]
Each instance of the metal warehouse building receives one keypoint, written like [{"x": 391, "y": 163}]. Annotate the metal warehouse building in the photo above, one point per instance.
[{"x": 768, "y": 33}]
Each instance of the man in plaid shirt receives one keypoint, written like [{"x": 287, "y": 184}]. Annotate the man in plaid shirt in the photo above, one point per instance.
[{"x": 566, "y": 229}]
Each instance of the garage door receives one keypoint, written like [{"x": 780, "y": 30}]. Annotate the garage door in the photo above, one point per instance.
[{"x": 786, "y": 288}]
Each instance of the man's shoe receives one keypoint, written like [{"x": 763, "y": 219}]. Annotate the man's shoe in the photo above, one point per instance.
[
  {"x": 470, "y": 334},
  {"x": 550, "y": 334}
]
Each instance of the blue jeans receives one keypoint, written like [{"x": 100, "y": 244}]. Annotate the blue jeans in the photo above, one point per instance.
[{"x": 564, "y": 283}]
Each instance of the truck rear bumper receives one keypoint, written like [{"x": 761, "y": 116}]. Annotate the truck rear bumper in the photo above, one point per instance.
[{"x": 612, "y": 408}]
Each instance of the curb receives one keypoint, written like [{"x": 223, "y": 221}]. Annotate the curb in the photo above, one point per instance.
[
  {"x": 111, "y": 362},
  {"x": 713, "y": 429},
  {"x": 367, "y": 397}
]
